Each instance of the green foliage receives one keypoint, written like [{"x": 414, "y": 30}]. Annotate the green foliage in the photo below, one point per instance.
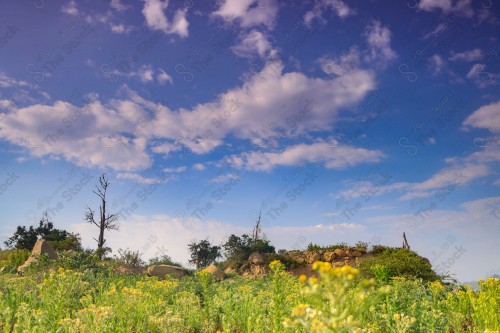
[
  {"x": 26, "y": 237},
  {"x": 398, "y": 262},
  {"x": 382, "y": 273},
  {"x": 237, "y": 249},
  {"x": 203, "y": 253},
  {"x": 377, "y": 249},
  {"x": 288, "y": 262},
  {"x": 315, "y": 247},
  {"x": 163, "y": 260},
  {"x": 10, "y": 260},
  {"x": 129, "y": 258}
]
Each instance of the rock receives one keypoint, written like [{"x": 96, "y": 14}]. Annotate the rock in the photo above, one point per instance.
[
  {"x": 339, "y": 253},
  {"x": 215, "y": 271},
  {"x": 41, "y": 247},
  {"x": 256, "y": 259},
  {"x": 312, "y": 257},
  {"x": 257, "y": 264},
  {"x": 161, "y": 271},
  {"x": 356, "y": 253},
  {"x": 328, "y": 256},
  {"x": 259, "y": 270},
  {"x": 300, "y": 260},
  {"x": 229, "y": 270}
]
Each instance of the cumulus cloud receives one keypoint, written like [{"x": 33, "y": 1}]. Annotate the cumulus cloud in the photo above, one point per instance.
[
  {"x": 154, "y": 13},
  {"x": 248, "y": 13},
  {"x": 340, "y": 8},
  {"x": 121, "y": 133}
]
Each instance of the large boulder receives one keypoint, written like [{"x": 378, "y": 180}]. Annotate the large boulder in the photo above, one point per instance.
[
  {"x": 256, "y": 259},
  {"x": 328, "y": 256},
  {"x": 257, "y": 264},
  {"x": 215, "y": 271},
  {"x": 312, "y": 257},
  {"x": 339, "y": 253},
  {"x": 161, "y": 271},
  {"x": 42, "y": 247}
]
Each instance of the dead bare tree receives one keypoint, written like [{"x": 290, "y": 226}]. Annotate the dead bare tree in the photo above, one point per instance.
[
  {"x": 405, "y": 242},
  {"x": 257, "y": 229},
  {"x": 106, "y": 221}
]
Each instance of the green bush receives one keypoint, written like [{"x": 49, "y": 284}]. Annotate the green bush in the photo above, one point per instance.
[
  {"x": 398, "y": 262},
  {"x": 315, "y": 247},
  {"x": 10, "y": 260},
  {"x": 129, "y": 258},
  {"x": 163, "y": 260},
  {"x": 285, "y": 260}
]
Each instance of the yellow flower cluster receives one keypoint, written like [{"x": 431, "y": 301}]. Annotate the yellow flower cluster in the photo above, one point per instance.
[
  {"x": 344, "y": 271},
  {"x": 276, "y": 266}
]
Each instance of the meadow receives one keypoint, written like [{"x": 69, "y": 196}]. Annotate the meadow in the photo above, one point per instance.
[{"x": 64, "y": 300}]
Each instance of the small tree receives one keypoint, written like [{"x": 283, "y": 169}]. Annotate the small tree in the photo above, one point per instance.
[
  {"x": 26, "y": 237},
  {"x": 203, "y": 253},
  {"x": 106, "y": 221}
]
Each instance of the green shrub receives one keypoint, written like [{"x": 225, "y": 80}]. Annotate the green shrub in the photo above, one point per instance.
[
  {"x": 398, "y": 262},
  {"x": 163, "y": 260},
  {"x": 285, "y": 260},
  {"x": 10, "y": 260},
  {"x": 129, "y": 258}
]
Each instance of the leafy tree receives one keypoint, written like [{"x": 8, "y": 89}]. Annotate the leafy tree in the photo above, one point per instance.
[
  {"x": 105, "y": 221},
  {"x": 237, "y": 249},
  {"x": 203, "y": 253},
  {"x": 26, "y": 237},
  {"x": 163, "y": 260}
]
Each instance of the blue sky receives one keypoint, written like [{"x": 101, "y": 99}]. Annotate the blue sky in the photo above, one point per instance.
[{"x": 342, "y": 121}]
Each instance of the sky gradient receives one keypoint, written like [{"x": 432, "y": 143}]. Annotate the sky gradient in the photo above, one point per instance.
[{"x": 340, "y": 121}]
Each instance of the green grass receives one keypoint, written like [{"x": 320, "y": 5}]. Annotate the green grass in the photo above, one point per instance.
[{"x": 341, "y": 301}]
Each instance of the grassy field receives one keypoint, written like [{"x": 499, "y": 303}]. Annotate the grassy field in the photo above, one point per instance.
[{"x": 340, "y": 301}]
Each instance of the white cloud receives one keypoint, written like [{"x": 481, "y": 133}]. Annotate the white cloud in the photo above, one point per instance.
[
  {"x": 121, "y": 28},
  {"x": 481, "y": 76},
  {"x": 458, "y": 7},
  {"x": 487, "y": 116},
  {"x": 199, "y": 167},
  {"x": 118, "y": 5},
  {"x": 340, "y": 8},
  {"x": 254, "y": 42},
  {"x": 175, "y": 170},
  {"x": 8, "y": 82},
  {"x": 248, "y": 13},
  {"x": 117, "y": 133},
  {"x": 436, "y": 64},
  {"x": 141, "y": 179},
  {"x": 331, "y": 154},
  {"x": 471, "y": 55},
  {"x": 83, "y": 135},
  {"x": 163, "y": 77},
  {"x": 225, "y": 178},
  {"x": 154, "y": 13},
  {"x": 378, "y": 39},
  {"x": 70, "y": 8}
]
